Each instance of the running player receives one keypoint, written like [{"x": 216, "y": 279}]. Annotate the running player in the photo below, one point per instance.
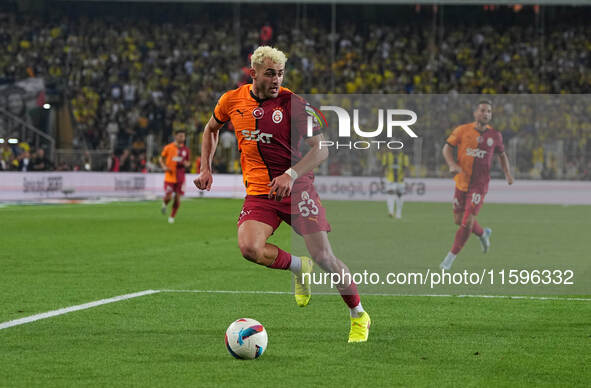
[
  {"x": 262, "y": 114},
  {"x": 395, "y": 168},
  {"x": 476, "y": 143},
  {"x": 175, "y": 158}
]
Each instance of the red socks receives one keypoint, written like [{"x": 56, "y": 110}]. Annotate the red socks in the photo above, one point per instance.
[
  {"x": 350, "y": 295},
  {"x": 477, "y": 229},
  {"x": 282, "y": 261},
  {"x": 461, "y": 237},
  {"x": 175, "y": 206}
]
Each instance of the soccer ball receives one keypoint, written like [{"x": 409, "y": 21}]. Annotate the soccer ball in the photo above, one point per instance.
[{"x": 246, "y": 339}]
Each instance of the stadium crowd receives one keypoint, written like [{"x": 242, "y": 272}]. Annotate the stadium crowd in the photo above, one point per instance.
[{"x": 125, "y": 79}]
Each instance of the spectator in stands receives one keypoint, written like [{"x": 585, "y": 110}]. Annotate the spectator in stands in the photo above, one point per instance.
[
  {"x": 128, "y": 77},
  {"x": 40, "y": 162}
]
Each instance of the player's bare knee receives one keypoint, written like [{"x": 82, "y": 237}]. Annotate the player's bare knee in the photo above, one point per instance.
[{"x": 251, "y": 252}]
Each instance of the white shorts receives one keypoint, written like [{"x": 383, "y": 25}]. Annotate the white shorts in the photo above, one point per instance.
[{"x": 395, "y": 188}]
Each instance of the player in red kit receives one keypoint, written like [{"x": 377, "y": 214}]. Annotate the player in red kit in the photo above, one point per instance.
[
  {"x": 269, "y": 122},
  {"x": 175, "y": 158},
  {"x": 476, "y": 144}
]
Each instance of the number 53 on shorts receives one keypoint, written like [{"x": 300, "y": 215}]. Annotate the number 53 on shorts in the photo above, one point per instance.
[{"x": 307, "y": 206}]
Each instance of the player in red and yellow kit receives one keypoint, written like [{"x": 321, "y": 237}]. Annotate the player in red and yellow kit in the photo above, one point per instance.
[
  {"x": 174, "y": 159},
  {"x": 476, "y": 144},
  {"x": 269, "y": 122}
]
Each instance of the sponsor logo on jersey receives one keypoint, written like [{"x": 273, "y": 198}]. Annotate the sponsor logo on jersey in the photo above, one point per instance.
[
  {"x": 277, "y": 116},
  {"x": 476, "y": 153},
  {"x": 258, "y": 113},
  {"x": 257, "y": 135}
]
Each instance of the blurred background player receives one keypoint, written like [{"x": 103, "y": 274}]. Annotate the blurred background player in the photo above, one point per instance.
[
  {"x": 175, "y": 158},
  {"x": 395, "y": 169},
  {"x": 476, "y": 143},
  {"x": 262, "y": 114}
]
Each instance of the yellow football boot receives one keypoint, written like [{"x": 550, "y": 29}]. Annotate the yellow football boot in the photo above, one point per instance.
[
  {"x": 302, "y": 287},
  {"x": 360, "y": 328}
]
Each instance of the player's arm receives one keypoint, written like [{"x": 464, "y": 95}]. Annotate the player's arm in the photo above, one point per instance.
[
  {"x": 281, "y": 185},
  {"x": 314, "y": 157},
  {"x": 208, "y": 146},
  {"x": 504, "y": 160},
  {"x": 163, "y": 163},
  {"x": 448, "y": 155}
]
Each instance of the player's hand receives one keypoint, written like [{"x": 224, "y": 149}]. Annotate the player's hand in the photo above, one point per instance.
[
  {"x": 509, "y": 180},
  {"x": 280, "y": 187},
  {"x": 455, "y": 169},
  {"x": 204, "y": 181}
]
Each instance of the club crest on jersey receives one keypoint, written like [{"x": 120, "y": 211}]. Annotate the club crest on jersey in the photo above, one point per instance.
[
  {"x": 490, "y": 142},
  {"x": 277, "y": 115},
  {"x": 258, "y": 113}
]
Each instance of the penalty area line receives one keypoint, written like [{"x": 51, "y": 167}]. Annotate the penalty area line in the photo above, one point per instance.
[
  {"x": 516, "y": 297},
  {"x": 65, "y": 310}
]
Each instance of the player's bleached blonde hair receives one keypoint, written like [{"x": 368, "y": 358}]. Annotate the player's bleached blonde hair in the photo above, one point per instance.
[{"x": 264, "y": 52}]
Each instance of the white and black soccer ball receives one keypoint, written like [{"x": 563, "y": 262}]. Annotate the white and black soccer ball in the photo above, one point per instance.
[{"x": 246, "y": 339}]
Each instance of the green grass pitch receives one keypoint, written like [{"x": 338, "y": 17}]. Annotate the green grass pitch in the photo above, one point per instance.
[{"x": 57, "y": 256}]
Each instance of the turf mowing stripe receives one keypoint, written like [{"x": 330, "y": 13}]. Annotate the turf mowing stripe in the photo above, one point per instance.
[
  {"x": 66, "y": 310},
  {"x": 413, "y": 295}
]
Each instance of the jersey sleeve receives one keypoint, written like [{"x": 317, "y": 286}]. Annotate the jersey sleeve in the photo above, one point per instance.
[
  {"x": 455, "y": 138},
  {"x": 164, "y": 153},
  {"x": 499, "y": 147},
  {"x": 221, "y": 113},
  {"x": 303, "y": 114}
]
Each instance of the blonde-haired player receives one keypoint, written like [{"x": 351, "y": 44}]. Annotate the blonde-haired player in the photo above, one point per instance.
[
  {"x": 263, "y": 53},
  {"x": 270, "y": 121}
]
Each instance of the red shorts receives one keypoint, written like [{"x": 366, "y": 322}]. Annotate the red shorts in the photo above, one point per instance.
[
  {"x": 468, "y": 201},
  {"x": 302, "y": 210},
  {"x": 177, "y": 188}
]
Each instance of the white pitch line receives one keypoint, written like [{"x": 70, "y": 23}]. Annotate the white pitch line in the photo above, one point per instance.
[
  {"x": 411, "y": 295},
  {"x": 66, "y": 310},
  {"x": 231, "y": 292}
]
